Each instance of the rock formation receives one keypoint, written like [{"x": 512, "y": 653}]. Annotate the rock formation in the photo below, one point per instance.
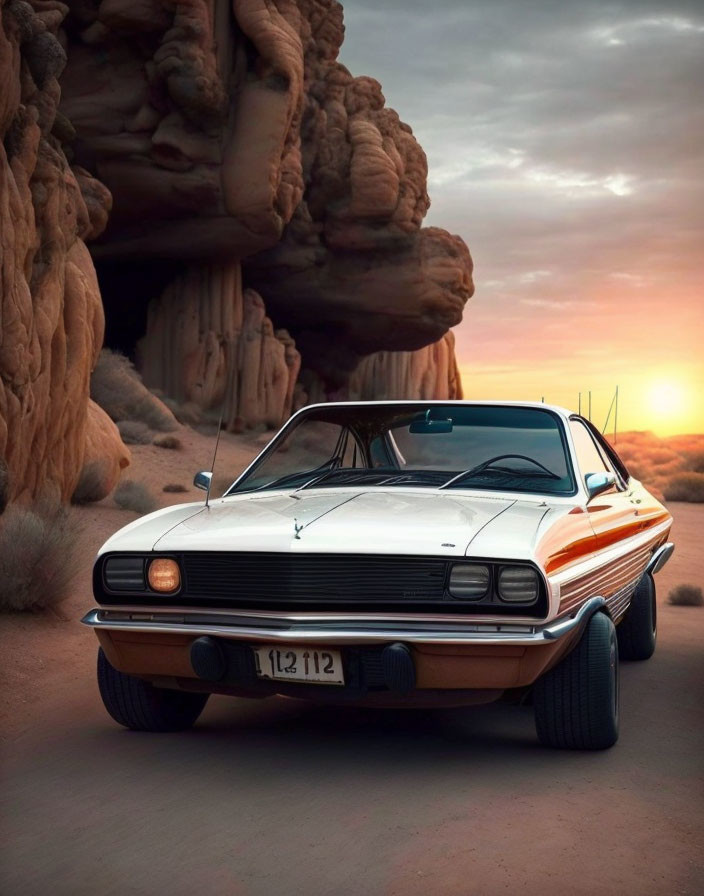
[
  {"x": 429, "y": 372},
  {"x": 51, "y": 316},
  {"x": 256, "y": 185},
  {"x": 229, "y": 133},
  {"x": 208, "y": 341}
]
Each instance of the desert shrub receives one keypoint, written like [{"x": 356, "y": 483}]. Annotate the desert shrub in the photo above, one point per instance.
[
  {"x": 91, "y": 484},
  {"x": 37, "y": 556},
  {"x": 658, "y": 456},
  {"x": 686, "y": 596},
  {"x": 131, "y": 495},
  {"x": 134, "y": 432},
  {"x": 117, "y": 387},
  {"x": 171, "y": 442},
  {"x": 685, "y": 487},
  {"x": 694, "y": 461},
  {"x": 174, "y": 487},
  {"x": 188, "y": 413}
]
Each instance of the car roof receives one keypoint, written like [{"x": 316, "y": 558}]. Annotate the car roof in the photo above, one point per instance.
[{"x": 537, "y": 405}]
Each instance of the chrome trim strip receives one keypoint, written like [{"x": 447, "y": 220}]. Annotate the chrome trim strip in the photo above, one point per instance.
[
  {"x": 584, "y": 614},
  {"x": 608, "y": 555},
  {"x": 660, "y": 558},
  {"x": 242, "y": 627},
  {"x": 290, "y": 617},
  {"x": 619, "y": 602},
  {"x": 611, "y": 579}
]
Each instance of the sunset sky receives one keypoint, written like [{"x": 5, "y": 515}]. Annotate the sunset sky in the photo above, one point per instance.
[{"x": 565, "y": 143}]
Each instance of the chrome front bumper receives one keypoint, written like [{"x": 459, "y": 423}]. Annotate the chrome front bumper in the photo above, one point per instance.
[
  {"x": 270, "y": 628},
  {"x": 660, "y": 558}
]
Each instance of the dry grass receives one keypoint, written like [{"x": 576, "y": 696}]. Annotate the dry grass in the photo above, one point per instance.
[
  {"x": 132, "y": 495},
  {"x": 686, "y": 596},
  {"x": 91, "y": 485},
  {"x": 134, "y": 432},
  {"x": 672, "y": 468},
  {"x": 174, "y": 487},
  {"x": 171, "y": 442},
  {"x": 695, "y": 461},
  {"x": 685, "y": 487},
  {"x": 117, "y": 387},
  {"x": 37, "y": 557}
]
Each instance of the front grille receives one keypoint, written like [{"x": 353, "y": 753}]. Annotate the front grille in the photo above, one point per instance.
[
  {"x": 251, "y": 578},
  {"x": 300, "y": 582}
]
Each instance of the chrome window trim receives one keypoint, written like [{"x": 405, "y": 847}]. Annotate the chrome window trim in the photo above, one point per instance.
[{"x": 560, "y": 414}]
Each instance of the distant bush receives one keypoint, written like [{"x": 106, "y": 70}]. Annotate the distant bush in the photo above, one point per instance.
[
  {"x": 174, "y": 487},
  {"x": 662, "y": 456},
  {"x": 131, "y": 495},
  {"x": 686, "y": 596},
  {"x": 685, "y": 487},
  {"x": 694, "y": 461},
  {"x": 117, "y": 387},
  {"x": 37, "y": 557},
  {"x": 91, "y": 484},
  {"x": 134, "y": 432},
  {"x": 171, "y": 442}
]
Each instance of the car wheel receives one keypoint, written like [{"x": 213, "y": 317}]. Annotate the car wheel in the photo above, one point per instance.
[
  {"x": 637, "y": 631},
  {"x": 576, "y": 703},
  {"x": 139, "y": 705}
]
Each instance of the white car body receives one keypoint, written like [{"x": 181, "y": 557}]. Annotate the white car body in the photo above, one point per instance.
[{"x": 589, "y": 549}]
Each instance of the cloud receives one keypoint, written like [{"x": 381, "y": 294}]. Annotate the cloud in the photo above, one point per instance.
[{"x": 564, "y": 145}]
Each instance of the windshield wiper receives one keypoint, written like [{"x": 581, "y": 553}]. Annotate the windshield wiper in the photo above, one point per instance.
[
  {"x": 328, "y": 473},
  {"x": 489, "y": 466},
  {"x": 377, "y": 477},
  {"x": 291, "y": 478}
]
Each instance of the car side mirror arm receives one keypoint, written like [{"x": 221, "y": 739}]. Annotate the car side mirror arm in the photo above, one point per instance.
[{"x": 596, "y": 483}]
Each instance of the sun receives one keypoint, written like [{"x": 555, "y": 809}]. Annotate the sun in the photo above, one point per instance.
[{"x": 666, "y": 398}]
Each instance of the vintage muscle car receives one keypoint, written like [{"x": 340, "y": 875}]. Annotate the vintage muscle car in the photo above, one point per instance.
[{"x": 406, "y": 553}]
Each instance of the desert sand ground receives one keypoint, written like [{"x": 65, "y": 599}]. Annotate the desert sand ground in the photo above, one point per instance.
[{"x": 278, "y": 796}]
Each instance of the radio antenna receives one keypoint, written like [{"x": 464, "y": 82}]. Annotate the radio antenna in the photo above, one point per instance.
[{"x": 215, "y": 453}]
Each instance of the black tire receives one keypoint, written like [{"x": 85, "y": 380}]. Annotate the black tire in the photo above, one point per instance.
[
  {"x": 139, "y": 705},
  {"x": 637, "y": 631},
  {"x": 576, "y": 702}
]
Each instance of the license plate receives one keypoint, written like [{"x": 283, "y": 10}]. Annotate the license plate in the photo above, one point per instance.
[{"x": 320, "y": 666}]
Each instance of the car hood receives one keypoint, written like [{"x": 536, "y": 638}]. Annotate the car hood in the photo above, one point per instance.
[{"x": 377, "y": 522}]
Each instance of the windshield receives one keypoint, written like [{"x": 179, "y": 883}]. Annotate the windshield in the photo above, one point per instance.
[{"x": 424, "y": 445}]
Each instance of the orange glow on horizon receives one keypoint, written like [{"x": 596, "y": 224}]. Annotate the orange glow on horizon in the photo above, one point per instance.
[{"x": 666, "y": 402}]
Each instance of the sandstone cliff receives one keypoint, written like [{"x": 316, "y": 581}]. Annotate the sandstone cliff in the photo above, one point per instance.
[
  {"x": 51, "y": 316},
  {"x": 263, "y": 245}
]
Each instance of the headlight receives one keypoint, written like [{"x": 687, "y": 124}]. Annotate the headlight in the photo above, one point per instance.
[
  {"x": 124, "y": 573},
  {"x": 469, "y": 581},
  {"x": 518, "y": 584},
  {"x": 164, "y": 575}
]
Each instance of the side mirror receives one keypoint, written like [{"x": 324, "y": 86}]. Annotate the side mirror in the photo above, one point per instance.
[
  {"x": 597, "y": 483},
  {"x": 203, "y": 480}
]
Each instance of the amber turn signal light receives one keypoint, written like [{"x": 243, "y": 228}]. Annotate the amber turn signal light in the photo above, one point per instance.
[{"x": 164, "y": 575}]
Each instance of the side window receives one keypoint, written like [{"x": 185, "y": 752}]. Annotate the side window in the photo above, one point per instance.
[
  {"x": 588, "y": 457},
  {"x": 613, "y": 461}
]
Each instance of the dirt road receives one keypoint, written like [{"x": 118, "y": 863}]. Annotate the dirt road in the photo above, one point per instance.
[{"x": 277, "y": 797}]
